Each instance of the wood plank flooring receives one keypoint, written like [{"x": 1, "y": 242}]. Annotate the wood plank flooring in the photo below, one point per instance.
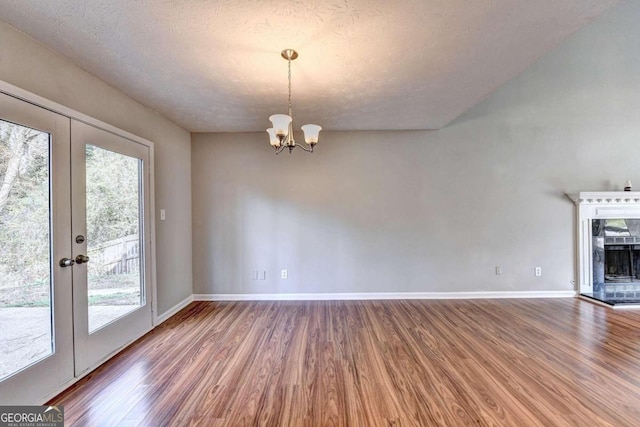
[{"x": 534, "y": 362}]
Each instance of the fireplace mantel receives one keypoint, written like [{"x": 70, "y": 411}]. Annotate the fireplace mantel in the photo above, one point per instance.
[
  {"x": 592, "y": 205},
  {"x": 605, "y": 197}
]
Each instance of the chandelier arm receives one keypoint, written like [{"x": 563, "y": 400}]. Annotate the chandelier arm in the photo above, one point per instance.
[
  {"x": 308, "y": 150},
  {"x": 279, "y": 150}
]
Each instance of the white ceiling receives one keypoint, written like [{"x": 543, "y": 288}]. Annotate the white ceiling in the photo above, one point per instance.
[{"x": 364, "y": 64}]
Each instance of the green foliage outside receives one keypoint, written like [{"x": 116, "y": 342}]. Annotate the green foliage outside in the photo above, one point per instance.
[
  {"x": 24, "y": 206},
  {"x": 112, "y": 213},
  {"x": 112, "y": 196}
]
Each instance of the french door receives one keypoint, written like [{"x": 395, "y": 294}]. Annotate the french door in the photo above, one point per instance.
[
  {"x": 74, "y": 246},
  {"x": 36, "y": 339},
  {"x": 111, "y": 290}
]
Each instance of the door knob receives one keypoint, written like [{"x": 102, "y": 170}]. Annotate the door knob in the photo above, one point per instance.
[
  {"x": 82, "y": 259},
  {"x": 66, "y": 262}
]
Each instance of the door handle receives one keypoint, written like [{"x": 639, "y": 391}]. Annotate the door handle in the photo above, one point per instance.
[
  {"x": 82, "y": 259},
  {"x": 66, "y": 262}
]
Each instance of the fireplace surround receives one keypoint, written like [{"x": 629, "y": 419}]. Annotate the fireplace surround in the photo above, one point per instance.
[{"x": 608, "y": 245}]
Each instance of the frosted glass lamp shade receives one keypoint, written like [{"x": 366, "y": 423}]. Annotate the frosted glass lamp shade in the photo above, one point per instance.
[
  {"x": 273, "y": 139},
  {"x": 311, "y": 133},
  {"x": 280, "y": 124}
]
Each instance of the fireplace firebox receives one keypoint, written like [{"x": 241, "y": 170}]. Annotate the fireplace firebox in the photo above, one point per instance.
[{"x": 616, "y": 255}]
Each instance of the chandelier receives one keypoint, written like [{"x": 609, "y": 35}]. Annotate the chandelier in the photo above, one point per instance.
[{"x": 281, "y": 134}]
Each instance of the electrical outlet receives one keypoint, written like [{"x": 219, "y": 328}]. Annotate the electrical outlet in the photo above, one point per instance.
[
  {"x": 538, "y": 271},
  {"x": 284, "y": 274},
  {"x": 163, "y": 214},
  {"x": 498, "y": 271}
]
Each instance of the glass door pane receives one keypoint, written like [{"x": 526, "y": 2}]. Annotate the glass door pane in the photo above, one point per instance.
[
  {"x": 111, "y": 228},
  {"x": 26, "y": 332},
  {"x": 114, "y": 284}
]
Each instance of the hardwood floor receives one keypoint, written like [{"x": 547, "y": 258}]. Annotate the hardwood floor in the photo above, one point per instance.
[{"x": 372, "y": 363}]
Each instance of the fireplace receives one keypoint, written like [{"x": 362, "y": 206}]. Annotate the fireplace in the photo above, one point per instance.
[
  {"x": 608, "y": 245},
  {"x": 616, "y": 256}
]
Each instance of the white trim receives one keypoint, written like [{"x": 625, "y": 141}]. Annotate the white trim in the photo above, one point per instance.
[
  {"x": 598, "y": 205},
  {"x": 38, "y": 100},
  {"x": 152, "y": 233},
  {"x": 173, "y": 310},
  {"x": 382, "y": 296},
  {"x": 625, "y": 306},
  {"x": 32, "y": 98},
  {"x": 92, "y": 368},
  {"x": 604, "y": 304},
  {"x": 605, "y": 197},
  {"x": 157, "y": 321}
]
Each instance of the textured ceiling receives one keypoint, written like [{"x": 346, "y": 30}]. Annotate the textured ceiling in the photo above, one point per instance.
[{"x": 364, "y": 64}]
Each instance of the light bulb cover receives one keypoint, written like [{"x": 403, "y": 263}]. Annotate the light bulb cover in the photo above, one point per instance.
[
  {"x": 280, "y": 124},
  {"x": 311, "y": 133},
  {"x": 273, "y": 139}
]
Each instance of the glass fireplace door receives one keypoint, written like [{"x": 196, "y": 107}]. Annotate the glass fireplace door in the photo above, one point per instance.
[{"x": 616, "y": 257}]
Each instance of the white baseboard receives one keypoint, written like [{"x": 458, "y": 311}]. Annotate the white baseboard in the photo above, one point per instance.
[
  {"x": 382, "y": 296},
  {"x": 89, "y": 370},
  {"x": 157, "y": 321},
  {"x": 173, "y": 310}
]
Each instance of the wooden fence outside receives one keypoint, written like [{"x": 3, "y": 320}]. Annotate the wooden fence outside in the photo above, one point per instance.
[{"x": 117, "y": 256}]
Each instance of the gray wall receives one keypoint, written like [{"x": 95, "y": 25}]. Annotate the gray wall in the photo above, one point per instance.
[
  {"x": 29, "y": 65},
  {"x": 429, "y": 211}
]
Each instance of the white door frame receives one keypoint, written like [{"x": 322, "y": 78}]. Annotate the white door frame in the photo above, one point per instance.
[
  {"x": 32, "y": 98},
  {"x": 39, "y": 101}
]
